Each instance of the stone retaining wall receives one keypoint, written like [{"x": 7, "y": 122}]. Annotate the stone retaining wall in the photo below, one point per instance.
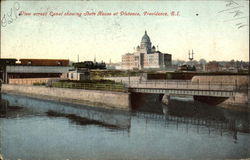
[
  {"x": 108, "y": 99},
  {"x": 238, "y": 99},
  {"x": 240, "y": 80}
]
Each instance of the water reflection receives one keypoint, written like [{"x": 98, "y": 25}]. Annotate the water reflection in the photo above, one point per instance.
[
  {"x": 12, "y": 111},
  {"x": 41, "y": 107},
  {"x": 186, "y": 110},
  {"x": 180, "y": 130},
  {"x": 178, "y": 111},
  {"x": 82, "y": 120}
]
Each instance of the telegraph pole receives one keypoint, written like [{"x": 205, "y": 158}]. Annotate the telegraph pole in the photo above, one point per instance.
[{"x": 249, "y": 82}]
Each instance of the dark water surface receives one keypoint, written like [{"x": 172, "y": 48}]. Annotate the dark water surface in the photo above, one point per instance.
[{"x": 35, "y": 129}]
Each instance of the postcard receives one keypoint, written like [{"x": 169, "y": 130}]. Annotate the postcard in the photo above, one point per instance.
[{"x": 124, "y": 80}]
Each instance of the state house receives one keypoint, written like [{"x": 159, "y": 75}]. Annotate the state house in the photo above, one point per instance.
[{"x": 146, "y": 56}]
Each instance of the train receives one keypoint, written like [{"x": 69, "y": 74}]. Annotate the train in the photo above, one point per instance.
[{"x": 90, "y": 65}]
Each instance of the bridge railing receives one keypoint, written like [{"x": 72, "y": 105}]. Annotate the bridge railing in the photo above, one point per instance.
[{"x": 181, "y": 85}]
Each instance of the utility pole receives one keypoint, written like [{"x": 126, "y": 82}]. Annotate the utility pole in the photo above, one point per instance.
[
  {"x": 95, "y": 59},
  {"x": 249, "y": 82}
]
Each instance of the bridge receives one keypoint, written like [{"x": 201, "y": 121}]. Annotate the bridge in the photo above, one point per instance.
[
  {"x": 182, "y": 87},
  {"x": 213, "y": 93},
  {"x": 208, "y": 92}
]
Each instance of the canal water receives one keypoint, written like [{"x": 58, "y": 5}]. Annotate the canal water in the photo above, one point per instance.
[{"x": 33, "y": 129}]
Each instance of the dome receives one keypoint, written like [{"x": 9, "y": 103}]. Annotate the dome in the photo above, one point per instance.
[
  {"x": 153, "y": 47},
  {"x": 145, "y": 38}
]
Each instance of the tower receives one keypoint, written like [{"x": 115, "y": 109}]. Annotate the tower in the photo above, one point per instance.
[
  {"x": 190, "y": 55},
  {"x": 146, "y": 43}
]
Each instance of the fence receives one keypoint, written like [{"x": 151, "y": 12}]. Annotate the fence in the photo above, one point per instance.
[
  {"x": 28, "y": 81},
  {"x": 91, "y": 86},
  {"x": 184, "y": 84}
]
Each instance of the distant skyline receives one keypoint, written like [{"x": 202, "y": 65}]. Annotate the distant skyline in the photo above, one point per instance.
[{"x": 215, "y": 30}]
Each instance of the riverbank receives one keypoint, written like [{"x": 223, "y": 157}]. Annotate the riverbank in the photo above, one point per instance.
[{"x": 103, "y": 99}]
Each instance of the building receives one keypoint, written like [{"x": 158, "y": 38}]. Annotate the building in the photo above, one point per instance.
[
  {"x": 44, "y": 62},
  {"x": 212, "y": 67},
  {"x": 32, "y": 68},
  {"x": 79, "y": 74},
  {"x": 146, "y": 56},
  {"x": 114, "y": 66},
  {"x": 225, "y": 66},
  {"x": 4, "y": 62}
]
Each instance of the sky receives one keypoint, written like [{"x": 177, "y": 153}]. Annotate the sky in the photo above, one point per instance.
[{"x": 215, "y": 30}]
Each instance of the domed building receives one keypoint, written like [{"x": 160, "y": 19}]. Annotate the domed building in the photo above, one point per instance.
[
  {"x": 146, "y": 43},
  {"x": 146, "y": 56}
]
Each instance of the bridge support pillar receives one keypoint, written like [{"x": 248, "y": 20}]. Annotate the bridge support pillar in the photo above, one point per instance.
[
  {"x": 249, "y": 94},
  {"x": 3, "y": 107},
  {"x": 166, "y": 99}
]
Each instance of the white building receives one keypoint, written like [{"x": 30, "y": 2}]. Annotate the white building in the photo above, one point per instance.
[
  {"x": 113, "y": 66},
  {"x": 146, "y": 57},
  {"x": 77, "y": 74}
]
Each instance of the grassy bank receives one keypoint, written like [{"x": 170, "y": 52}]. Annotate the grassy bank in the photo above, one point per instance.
[
  {"x": 106, "y": 85},
  {"x": 100, "y": 74}
]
